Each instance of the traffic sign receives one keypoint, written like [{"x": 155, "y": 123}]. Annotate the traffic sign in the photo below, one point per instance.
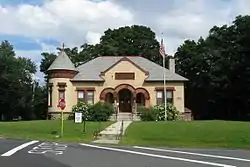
[{"x": 62, "y": 104}]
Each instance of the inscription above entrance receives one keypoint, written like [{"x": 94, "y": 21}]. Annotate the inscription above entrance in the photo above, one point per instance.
[{"x": 124, "y": 76}]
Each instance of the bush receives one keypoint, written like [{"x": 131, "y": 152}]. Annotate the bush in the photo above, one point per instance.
[
  {"x": 100, "y": 111},
  {"x": 146, "y": 114},
  {"x": 157, "y": 113},
  {"x": 96, "y": 112},
  {"x": 172, "y": 112},
  {"x": 79, "y": 107}
]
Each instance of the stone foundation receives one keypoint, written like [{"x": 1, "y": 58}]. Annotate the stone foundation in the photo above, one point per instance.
[{"x": 187, "y": 115}]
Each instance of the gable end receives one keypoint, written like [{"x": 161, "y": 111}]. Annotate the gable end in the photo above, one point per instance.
[{"x": 124, "y": 59}]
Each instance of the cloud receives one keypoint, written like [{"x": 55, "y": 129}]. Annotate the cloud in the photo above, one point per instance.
[
  {"x": 70, "y": 21},
  {"x": 75, "y": 22}
]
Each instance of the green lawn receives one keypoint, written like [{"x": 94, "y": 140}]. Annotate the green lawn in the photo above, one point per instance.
[
  {"x": 43, "y": 130},
  {"x": 197, "y": 134}
]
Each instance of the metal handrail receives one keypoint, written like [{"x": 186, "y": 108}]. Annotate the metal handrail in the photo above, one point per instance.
[{"x": 121, "y": 130}]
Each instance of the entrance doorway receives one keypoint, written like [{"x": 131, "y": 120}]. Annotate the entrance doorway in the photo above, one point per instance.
[{"x": 125, "y": 100}]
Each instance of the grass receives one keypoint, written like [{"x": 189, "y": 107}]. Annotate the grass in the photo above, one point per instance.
[
  {"x": 43, "y": 130},
  {"x": 196, "y": 134}
]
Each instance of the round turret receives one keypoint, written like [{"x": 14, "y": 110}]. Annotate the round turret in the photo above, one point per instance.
[{"x": 61, "y": 71}]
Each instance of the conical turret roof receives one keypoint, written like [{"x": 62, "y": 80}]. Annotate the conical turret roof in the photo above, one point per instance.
[{"x": 62, "y": 62}]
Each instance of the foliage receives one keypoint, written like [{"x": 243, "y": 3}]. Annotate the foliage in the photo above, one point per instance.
[
  {"x": 218, "y": 71},
  {"x": 130, "y": 40},
  {"x": 16, "y": 86},
  {"x": 100, "y": 111},
  {"x": 96, "y": 112},
  {"x": 171, "y": 110},
  {"x": 40, "y": 102},
  {"x": 146, "y": 114},
  {"x": 47, "y": 60},
  {"x": 157, "y": 113},
  {"x": 80, "y": 107}
]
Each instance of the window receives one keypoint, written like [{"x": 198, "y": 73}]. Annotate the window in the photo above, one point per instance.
[
  {"x": 86, "y": 96},
  {"x": 61, "y": 94},
  {"x": 90, "y": 97},
  {"x": 160, "y": 97},
  {"x": 50, "y": 96},
  {"x": 80, "y": 96},
  {"x": 169, "y": 95},
  {"x": 125, "y": 76}
]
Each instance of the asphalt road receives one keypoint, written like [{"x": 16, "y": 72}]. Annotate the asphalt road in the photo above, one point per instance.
[{"x": 24, "y": 153}]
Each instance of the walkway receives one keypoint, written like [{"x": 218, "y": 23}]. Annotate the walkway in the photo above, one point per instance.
[{"x": 112, "y": 134}]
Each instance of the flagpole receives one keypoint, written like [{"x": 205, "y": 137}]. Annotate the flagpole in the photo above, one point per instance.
[
  {"x": 163, "y": 53},
  {"x": 164, "y": 85}
]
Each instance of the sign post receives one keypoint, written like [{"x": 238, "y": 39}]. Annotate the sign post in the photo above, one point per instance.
[
  {"x": 84, "y": 119},
  {"x": 62, "y": 106}
]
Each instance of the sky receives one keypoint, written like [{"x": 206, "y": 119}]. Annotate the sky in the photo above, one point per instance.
[{"x": 35, "y": 26}]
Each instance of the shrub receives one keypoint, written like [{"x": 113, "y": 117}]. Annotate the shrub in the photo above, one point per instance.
[
  {"x": 100, "y": 111},
  {"x": 79, "y": 107},
  {"x": 157, "y": 113},
  {"x": 146, "y": 114},
  {"x": 172, "y": 112}
]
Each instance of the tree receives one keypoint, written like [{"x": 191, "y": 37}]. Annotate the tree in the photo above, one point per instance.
[
  {"x": 130, "y": 41},
  {"x": 15, "y": 83},
  {"x": 218, "y": 71},
  {"x": 47, "y": 60}
]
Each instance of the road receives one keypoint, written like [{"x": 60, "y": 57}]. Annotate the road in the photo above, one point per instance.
[{"x": 24, "y": 153}]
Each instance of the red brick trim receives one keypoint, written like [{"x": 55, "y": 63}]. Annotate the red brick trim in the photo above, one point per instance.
[
  {"x": 106, "y": 91},
  {"x": 167, "y": 88},
  {"x": 126, "y": 86},
  {"x": 144, "y": 92},
  {"x": 85, "y": 88},
  {"x": 62, "y": 74}
]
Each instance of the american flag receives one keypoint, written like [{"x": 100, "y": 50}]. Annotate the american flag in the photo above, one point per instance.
[{"x": 162, "y": 49}]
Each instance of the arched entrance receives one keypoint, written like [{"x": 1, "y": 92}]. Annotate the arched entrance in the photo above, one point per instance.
[
  {"x": 125, "y": 100},
  {"x": 126, "y": 96},
  {"x": 108, "y": 95},
  {"x": 142, "y": 97}
]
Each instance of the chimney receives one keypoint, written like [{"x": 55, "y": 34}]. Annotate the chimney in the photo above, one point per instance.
[{"x": 171, "y": 65}]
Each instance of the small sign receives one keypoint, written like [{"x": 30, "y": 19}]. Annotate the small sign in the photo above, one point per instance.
[{"x": 78, "y": 117}]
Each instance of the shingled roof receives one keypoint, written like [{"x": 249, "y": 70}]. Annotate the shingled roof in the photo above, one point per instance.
[
  {"x": 91, "y": 70},
  {"x": 62, "y": 62}
]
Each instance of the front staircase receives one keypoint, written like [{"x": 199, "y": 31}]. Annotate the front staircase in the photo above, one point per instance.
[{"x": 125, "y": 116}]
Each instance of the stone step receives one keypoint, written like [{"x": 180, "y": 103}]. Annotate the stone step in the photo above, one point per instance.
[{"x": 125, "y": 116}]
